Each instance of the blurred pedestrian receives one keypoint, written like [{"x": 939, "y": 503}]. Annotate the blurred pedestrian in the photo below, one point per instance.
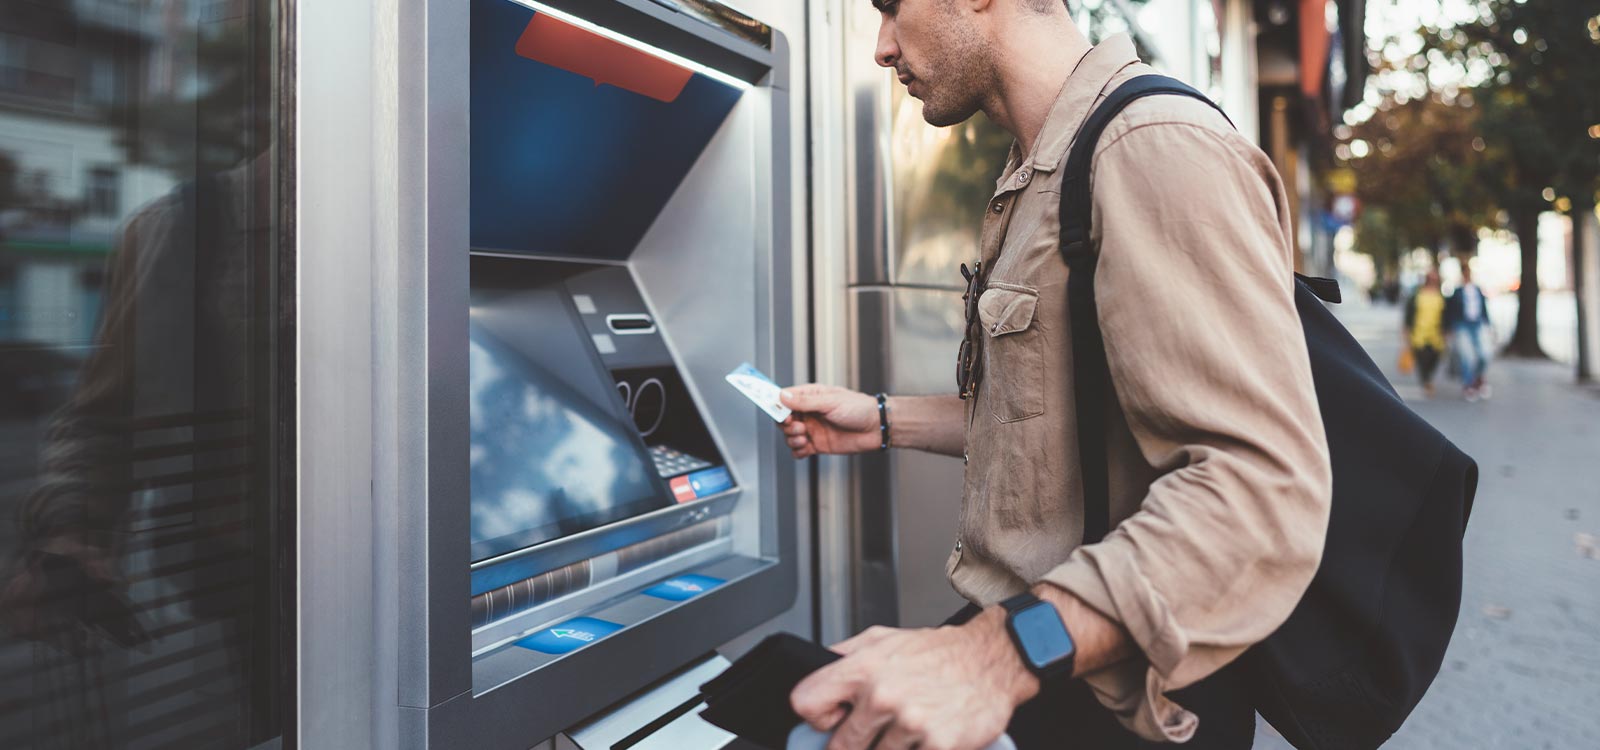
[
  {"x": 1424, "y": 329},
  {"x": 1466, "y": 315}
]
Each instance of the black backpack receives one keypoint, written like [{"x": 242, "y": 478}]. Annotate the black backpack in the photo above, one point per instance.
[{"x": 1368, "y": 636}]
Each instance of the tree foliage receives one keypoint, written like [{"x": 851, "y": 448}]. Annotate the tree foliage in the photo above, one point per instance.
[
  {"x": 1539, "y": 65},
  {"x": 1424, "y": 167},
  {"x": 1519, "y": 85}
]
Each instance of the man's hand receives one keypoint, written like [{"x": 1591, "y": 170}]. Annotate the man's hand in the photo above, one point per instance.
[
  {"x": 950, "y": 688},
  {"x": 38, "y": 606},
  {"x": 830, "y": 420}
]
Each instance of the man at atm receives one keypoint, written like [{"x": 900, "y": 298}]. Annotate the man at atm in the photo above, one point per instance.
[{"x": 1219, "y": 472}]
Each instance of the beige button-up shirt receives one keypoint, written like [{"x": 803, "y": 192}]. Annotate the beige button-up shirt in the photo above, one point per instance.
[{"x": 1220, "y": 483}]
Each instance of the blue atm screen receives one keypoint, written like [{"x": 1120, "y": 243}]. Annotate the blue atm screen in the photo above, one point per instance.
[{"x": 551, "y": 452}]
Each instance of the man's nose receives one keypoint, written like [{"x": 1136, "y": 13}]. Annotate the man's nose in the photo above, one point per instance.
[{"x": 887, "y": 53}]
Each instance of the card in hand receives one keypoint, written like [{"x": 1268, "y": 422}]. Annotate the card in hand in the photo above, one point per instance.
[{"x": 757, "y": 387}]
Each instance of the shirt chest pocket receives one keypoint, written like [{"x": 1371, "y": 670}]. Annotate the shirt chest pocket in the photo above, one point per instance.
[{"x": 1013, "y": 367}]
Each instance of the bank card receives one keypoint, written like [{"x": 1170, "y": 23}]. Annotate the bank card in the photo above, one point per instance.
[{"x": 757, "y": 387}]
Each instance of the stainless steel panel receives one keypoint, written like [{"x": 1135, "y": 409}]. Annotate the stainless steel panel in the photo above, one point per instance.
[
  {"x": 866, "y": 119},
  {"x": 941, "y": 182},
  {"x": 927, "y": 504},
  {"x": 905, "y": 505},
  {"x": 337, "y": 608},
  {"x": 424, "y": 461},
  {"x": 689, "y": 731}
]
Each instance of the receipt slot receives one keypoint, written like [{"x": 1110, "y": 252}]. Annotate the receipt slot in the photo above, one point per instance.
[{"x": 585, "y": 510}]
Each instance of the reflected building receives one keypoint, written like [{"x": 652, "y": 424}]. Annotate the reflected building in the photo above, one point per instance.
[{"x": 140, "y": 600}]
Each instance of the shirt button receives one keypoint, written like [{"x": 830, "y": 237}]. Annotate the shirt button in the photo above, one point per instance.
[
  {"x": 998, "y": 207},
  {"x": 1023, "y": 177},
  {"x": 958, "y": 545}
]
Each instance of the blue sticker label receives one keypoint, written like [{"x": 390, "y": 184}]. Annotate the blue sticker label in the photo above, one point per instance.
[
  {"x": 569, "y": 636},
  {"x": 683, "y": 588},
  {"x": 708, "y": 482}
]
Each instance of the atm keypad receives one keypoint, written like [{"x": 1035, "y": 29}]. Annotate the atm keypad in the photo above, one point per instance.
[{"x": 671, "y": 463}]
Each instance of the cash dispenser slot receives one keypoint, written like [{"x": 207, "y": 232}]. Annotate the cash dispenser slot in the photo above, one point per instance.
[{"x": 626, "y": 325}]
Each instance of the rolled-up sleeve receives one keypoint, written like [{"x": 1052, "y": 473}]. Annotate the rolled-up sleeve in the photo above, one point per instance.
[{"x": 1210, "y": 368}]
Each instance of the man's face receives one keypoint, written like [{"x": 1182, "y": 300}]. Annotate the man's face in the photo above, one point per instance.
[{"x": 938, "y": 51}]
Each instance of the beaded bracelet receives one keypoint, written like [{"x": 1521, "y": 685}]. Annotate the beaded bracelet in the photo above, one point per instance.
[{"x": 883, "y": 420}]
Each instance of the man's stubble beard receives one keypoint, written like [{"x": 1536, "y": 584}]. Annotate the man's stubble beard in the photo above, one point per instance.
[{"x": 967, "y": 71}]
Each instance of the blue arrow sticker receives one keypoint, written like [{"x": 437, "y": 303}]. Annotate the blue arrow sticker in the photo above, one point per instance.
[
  {"x": 569, "y": 636},
  {"x": 707, "y": 482},
  {"x": 683, "y": 588}
]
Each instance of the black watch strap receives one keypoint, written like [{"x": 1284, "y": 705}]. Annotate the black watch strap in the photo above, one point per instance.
[{"x": 1020, "y": 602}]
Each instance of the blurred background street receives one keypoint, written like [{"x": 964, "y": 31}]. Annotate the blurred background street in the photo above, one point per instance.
[{"x": 1523, "y": 670}]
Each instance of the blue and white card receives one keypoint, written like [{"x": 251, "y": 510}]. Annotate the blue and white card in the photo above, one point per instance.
[{"x": 757, "y": 387}]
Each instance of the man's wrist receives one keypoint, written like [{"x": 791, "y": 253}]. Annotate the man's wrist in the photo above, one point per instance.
[
  {"x": 1098, "y": 642},
  {"x": 997, "y": 653},
  {"x": 927, "y": 423}
]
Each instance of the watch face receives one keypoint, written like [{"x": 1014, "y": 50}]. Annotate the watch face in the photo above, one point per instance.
[{"x": 1043, "y": 636}]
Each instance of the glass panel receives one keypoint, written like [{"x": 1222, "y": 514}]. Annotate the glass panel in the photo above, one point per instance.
[
  {"x": 943, "y": 179},
  {"x": 144, "y": 566}
]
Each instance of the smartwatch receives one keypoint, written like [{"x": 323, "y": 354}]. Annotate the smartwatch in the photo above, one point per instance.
[{"x": 1040, "y": 636}]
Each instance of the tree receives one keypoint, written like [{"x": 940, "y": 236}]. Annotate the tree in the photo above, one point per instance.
[
  {"x": 1375, "y": 235},
  {"x": 1539, "y": 65},
  {"x": 1525, "y": 167},
  {"x": 1420, "y": 162}
]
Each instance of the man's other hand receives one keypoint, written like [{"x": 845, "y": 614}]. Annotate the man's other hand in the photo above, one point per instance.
[
  {"x": 830, "y": 420},
  {"x": 950, "y": 688}
]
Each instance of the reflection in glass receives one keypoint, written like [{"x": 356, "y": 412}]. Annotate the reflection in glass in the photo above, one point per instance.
[
  {"x": 943, "y": 178},
  {"x": 142, "y": 564},
  {"x": 550, "y": 455}
]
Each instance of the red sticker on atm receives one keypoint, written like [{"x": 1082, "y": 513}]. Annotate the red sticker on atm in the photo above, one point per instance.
[
  {"x": 553, "y": 41},
  {"x": 682, "y": 490}
]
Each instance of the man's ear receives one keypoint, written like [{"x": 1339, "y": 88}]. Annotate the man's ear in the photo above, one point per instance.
[{"x": 981, "y": 6}]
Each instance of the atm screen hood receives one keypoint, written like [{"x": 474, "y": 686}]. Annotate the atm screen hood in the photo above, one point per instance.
[{"x": 579, "y": 138}]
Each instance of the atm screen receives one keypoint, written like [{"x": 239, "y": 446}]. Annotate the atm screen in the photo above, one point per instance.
[{"x": 552, "y": 453}]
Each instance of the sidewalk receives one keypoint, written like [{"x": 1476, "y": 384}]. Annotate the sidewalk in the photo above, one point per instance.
[{"x": 1523, "y": 670}]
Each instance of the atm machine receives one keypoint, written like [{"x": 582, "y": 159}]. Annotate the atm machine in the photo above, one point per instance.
[{"x": 601, "y": 510}]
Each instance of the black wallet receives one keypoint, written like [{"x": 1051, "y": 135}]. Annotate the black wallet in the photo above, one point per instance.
[{"x": 751, "y": 697}]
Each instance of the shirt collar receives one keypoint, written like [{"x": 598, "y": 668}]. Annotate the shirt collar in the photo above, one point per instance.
[{"x": 1078, "y": 96}]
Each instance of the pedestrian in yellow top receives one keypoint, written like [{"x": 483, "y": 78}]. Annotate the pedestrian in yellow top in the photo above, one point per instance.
[{"x": 1424, "y": 329}]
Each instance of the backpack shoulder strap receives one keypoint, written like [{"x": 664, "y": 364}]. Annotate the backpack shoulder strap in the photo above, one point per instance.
[
  {"x": 1076, "y": 199},
  {"x": 1092, "y": 374}
]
